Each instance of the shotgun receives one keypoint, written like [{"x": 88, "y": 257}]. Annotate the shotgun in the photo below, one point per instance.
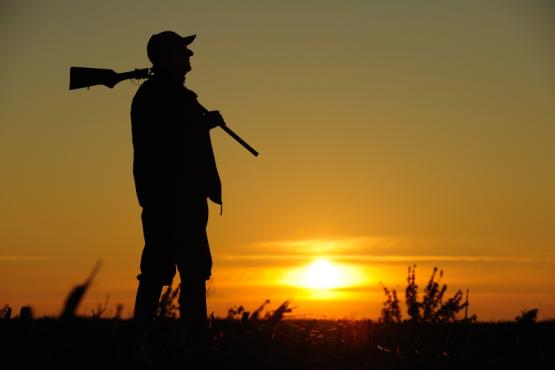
[{"x": 80, "y": 77}]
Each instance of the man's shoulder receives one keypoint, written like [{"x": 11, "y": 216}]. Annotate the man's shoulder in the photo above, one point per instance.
[
  {"x": 154, "y": 95},
  {"x": 143, "y": 100},
  {"x": 147, "y": 88},
  {"x": 147, "y": 94},
  {"x": 153, "y": 88}
]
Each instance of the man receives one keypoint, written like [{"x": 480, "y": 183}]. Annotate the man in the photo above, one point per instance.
[{"x": 175, "y": 172}]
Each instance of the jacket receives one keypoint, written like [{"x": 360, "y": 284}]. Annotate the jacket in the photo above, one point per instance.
[{"x": 173, "y": 159}]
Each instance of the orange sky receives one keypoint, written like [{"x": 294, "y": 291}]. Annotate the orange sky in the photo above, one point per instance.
[{"x": 390, "y": 134}]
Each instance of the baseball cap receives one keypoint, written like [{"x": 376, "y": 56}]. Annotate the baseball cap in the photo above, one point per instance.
[{"x": 161, "y": 44}]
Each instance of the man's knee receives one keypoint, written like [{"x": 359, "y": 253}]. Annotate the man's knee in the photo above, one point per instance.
[
  {"x": 192, "y": 291},
  {"x": 156, "y": 277},
  {"x": 193, "y": 286}
]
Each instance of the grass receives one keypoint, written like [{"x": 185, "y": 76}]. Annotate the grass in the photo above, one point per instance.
[
  {"x": 272, "y": 340},
  {"x": 89, "y": 343}
]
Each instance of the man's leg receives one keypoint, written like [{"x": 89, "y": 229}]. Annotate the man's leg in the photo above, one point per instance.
[
  {"x": 157, "y": 267},
  {"x": 194, "y": 265},
  {"x": 146, "y": 304},
  {"x": 192, "y": 308}
]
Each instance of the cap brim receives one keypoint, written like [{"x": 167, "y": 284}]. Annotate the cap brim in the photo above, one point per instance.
[{"x": 188, "y": 39}]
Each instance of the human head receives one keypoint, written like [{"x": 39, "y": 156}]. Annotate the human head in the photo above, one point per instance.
[{"x": 168, "y": 52}]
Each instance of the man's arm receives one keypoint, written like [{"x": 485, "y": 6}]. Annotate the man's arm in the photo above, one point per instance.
[{"x": 213, "y": 119}]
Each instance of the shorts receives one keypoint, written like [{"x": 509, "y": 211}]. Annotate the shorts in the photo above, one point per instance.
[{"x": 175, "y": 237}]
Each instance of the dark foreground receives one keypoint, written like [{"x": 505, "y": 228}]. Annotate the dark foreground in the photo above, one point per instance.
[{"x": 285, "y": 345}]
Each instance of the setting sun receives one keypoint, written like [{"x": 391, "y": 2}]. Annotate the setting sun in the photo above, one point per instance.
[{"x": 323, "y": 274}]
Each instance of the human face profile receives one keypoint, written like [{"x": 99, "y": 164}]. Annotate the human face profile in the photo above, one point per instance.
[{"x": 180, "y": 61}]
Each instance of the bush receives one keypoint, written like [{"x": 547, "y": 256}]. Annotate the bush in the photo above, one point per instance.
[
  {"x": 391, "y": 311},
  {"x": 527, "y": 316},
  {"x": 432, "y": 308}
]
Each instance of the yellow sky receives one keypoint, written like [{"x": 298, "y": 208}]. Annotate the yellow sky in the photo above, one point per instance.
[{"x": 390, "y": 134}]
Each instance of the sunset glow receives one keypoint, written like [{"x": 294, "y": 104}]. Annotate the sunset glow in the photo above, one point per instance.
[{"x": 323, "y": 274}]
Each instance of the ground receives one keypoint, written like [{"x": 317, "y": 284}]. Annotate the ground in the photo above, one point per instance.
[{"x": 85, "y": 343}]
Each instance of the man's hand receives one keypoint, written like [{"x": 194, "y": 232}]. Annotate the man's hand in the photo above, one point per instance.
[{"x": 213, "y": 119}]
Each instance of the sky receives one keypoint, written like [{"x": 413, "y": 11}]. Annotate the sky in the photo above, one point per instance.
[{"x": 391, "y": 133}]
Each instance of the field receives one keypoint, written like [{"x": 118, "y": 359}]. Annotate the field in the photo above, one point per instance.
[{"x": 270, "y": 343}]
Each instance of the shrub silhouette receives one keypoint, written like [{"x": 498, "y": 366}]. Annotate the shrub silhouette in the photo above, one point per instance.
[
  {"x": 101, "y": 309},
  {"x": 432, "y": 308},
  {"x": 411, "y": 295},
  {"x": 391, "y": 311},
  {"x": 168, "y": 306},
  {"x": 527, "y": 316}
]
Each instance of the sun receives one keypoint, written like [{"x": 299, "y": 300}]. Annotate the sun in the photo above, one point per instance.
[{"x": 323, "y": 275}]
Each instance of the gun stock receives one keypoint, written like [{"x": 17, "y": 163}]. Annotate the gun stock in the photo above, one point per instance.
[{"x": 80, "y": 77}]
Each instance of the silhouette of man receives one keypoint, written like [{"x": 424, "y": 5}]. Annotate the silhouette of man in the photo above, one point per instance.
[{"x": 175, "y": 172}]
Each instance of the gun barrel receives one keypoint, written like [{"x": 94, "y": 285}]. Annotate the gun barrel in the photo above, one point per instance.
[
  {"x": 235, "y": 136},
  {"x": 239, "y": 140}
]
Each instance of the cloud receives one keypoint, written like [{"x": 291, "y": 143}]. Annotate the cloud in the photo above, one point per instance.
[
  {"x": 374, "y": 258},
  {"x": 362, "y": 249},
  {"x": 366, "y": 244}
]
